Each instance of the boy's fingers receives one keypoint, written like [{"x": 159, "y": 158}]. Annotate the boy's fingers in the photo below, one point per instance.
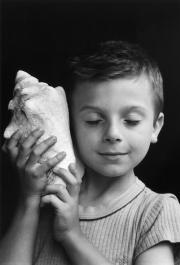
[
  {"x": 73, "y": 184},
  {"x": 52, "y": 162},
  {"x": 40, "y": 149},
  {"x": 68, "y": 178},
  {"x": 51, "y": 199},
  {"x": 10, "y": 145},
  {"x": 72, "y": 168},
  {"x": 27, "y": 143},
  {"x": 59, "y": 190},
  {"x": 32, "y": 138},
  {"x": 13, "y": 140}
]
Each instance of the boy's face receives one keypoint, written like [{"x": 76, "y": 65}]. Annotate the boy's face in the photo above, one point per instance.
[{"x": 114, "y": 124}]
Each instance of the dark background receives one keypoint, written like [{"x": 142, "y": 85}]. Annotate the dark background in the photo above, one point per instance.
[{"x": 37, "y": 36}]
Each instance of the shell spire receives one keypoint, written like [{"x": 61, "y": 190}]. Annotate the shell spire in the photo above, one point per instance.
[{"x": 21, "y": 75}]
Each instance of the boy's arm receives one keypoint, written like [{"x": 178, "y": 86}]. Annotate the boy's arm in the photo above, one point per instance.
[
  {"x": 81, "y": 252},
  {"x": 16, "y": 248},
  {"x": 160, "y": 254}
]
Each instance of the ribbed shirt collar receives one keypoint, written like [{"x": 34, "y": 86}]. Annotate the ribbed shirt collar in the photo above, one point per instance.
[{"x": 125, "y": 198}]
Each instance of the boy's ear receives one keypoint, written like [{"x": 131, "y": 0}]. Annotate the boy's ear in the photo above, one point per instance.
[{"x": 157, "y": 128}]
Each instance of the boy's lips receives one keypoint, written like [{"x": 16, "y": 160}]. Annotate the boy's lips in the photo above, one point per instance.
[
  {"x": 113, "y": 153},
  {"x": 113, "y": 156}
]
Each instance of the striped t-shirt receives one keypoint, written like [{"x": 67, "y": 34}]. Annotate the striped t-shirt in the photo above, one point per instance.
[{"x": 136, "y": 221}]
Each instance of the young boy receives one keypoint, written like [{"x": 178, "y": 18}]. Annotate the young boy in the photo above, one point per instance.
[{"x": 111, "y": 217}]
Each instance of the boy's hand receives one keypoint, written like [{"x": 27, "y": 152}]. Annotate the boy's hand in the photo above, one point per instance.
[
  {"x": 25, "y": 154},
  {"x": 65, "y": 200}
]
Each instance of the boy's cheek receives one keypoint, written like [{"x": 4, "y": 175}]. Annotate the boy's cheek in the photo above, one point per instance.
[
  {"x": 80, "y": 130},
  {"x": 87, "y": 138}
]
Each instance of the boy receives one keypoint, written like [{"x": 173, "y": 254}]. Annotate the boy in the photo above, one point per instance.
[{"x": 111, "y": 217}]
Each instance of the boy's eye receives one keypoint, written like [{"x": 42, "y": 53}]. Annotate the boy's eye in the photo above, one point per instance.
[
  {"x": 93, "y": 122},
  {"x": 132, "y": 122}
]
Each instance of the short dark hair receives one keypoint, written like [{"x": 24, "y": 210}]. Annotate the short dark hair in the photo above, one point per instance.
[{"x": 117, "y": 59}]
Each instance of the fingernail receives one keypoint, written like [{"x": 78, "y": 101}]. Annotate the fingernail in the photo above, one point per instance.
[
  {"x": 51, "y": 138},
  {"x": 60, "y": 155}
]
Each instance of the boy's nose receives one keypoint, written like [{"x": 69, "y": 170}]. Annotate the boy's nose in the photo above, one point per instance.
[
  {"x": 113, "y": 134},
  {"x": 112, "y": 139}
]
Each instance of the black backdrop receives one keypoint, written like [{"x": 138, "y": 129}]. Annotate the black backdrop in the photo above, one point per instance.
[{"x": 37, "y": 36}]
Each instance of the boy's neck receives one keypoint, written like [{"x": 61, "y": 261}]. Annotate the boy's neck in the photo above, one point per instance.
[{"x": 97, "y": 189}]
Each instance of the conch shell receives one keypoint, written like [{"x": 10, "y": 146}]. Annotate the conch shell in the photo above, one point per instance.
[{"x": 36, "y": 104}]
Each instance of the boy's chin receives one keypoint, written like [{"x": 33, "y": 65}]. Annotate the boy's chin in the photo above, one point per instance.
[{"x": 112, "y": 172}]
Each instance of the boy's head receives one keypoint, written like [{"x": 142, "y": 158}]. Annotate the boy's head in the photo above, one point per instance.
[
  {"x": 117, "y": 59},
  {"x": 116, "y": 102}
]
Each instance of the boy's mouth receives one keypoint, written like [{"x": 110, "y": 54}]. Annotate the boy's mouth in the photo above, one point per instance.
[
  {"x": 113, "y": 156},
  {"x": 113, "y": 153}
]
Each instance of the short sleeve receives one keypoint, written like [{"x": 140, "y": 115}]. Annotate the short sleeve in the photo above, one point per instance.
[{"x": 160, "y": 223}]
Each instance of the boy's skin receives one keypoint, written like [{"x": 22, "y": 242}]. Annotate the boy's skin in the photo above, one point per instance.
[{"x": 115, "y": 116}]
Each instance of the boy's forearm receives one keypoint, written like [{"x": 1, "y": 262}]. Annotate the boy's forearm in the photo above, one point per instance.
[
  {"x": 16, "y": 248},
  {"x": 81, "y": 252}
]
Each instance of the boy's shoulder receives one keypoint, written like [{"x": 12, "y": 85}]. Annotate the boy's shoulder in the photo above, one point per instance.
[
  {"x": 153, "y": 206},
  {"x": 146, "y": 199},
  {"x": 157, "y": 219},
  {"x": 151, "y": 198}
]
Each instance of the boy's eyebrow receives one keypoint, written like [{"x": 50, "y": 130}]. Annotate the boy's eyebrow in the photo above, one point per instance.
[
  {"x": 136, "y": 109},
  {"x": 89, "y": 107},
  {"x": 139, "y": 109}
]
